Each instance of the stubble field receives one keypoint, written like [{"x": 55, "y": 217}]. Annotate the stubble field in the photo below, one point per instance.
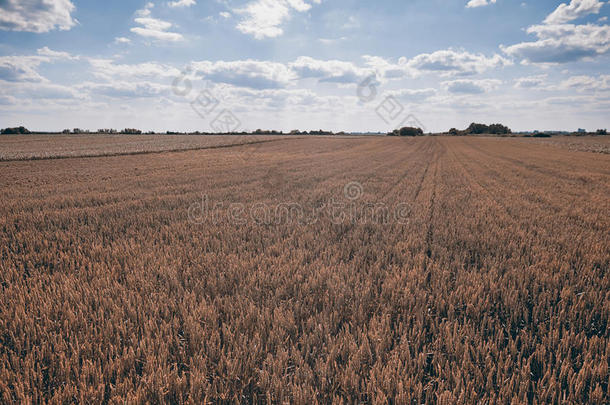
[
  {"x": 314, "y": 270},
  {"x": 35, "y": 147},
  {"x": 597, "y": 144}
]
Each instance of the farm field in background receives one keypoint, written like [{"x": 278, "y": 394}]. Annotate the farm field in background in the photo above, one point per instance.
[
  {"x": 479, "y": 276},
  {"x": 597, "y": 144},
  {"x": 24, "y": 147}
]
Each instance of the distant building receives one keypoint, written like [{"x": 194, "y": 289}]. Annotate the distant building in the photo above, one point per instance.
[{"x": 581, "y": 131}]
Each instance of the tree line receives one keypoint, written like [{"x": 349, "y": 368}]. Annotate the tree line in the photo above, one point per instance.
[{"x": 473, "y": 129}]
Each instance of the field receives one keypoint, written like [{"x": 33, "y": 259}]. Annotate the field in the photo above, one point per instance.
[
  {"x": 598, "y": 144},
  {"x": 307, "y": 270},
  {"x": 18, "y": 147}
]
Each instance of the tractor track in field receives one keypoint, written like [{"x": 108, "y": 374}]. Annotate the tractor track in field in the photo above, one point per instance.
[
  {"x": 400, "y": 180},
  {"x": 430, "y": 230},
  {"x": 477, "y": 185},
  {"x": 421, "y": 182}
]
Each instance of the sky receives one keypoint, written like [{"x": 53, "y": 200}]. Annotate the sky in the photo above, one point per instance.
[{"x": 225, "y": 65}]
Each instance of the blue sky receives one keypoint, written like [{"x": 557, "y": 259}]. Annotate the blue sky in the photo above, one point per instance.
[{"x": 307, "y": 64}]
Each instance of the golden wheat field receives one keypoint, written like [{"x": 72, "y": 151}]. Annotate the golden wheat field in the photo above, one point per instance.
[{"x": 308, "y": 270}]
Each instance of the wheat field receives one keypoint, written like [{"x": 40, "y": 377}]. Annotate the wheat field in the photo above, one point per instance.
[
  {"x": 45, "y": 146},
  {"x": 311, "y": 270}
]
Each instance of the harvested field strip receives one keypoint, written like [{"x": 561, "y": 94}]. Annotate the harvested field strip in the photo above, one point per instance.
[{"x": 127, "y": 150}]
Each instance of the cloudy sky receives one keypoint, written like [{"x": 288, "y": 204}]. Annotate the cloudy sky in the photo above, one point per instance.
[{"x": 307, "y": 64}]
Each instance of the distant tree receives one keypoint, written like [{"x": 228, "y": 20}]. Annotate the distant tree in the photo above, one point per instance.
[
  {"x": 601, "y": 132},
  {"x": 454, "y": 132},
  {"x": 131, "y": 131},
  {"x": 320, "y": 132},
  {"x": 475, "y": 129},
  {"x": 15, "y": 131},
  {"x": 499, "y": 129},
  {"x": 66, "y": 131},
  {"x": 496, "y": 129},
  {"x": 410, "y": 131}
]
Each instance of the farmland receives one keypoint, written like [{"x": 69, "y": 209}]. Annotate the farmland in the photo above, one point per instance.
[
  {"x": 16, "y": 147},
  {"x": 480, "y": 275},
  {"x": 598, "y": 144}
]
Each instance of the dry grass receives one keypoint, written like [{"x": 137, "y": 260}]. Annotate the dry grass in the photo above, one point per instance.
[
  {"x": 496, "y": 290},
  {"x": 597, "y": 144},
  {"x": 28, "y": 147}
]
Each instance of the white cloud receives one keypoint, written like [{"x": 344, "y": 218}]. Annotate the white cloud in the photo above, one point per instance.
[
  {"x": 110, "y": 79},
  {"x": 257, "y": 88},
  {"x": 153, "y": 24},
  {"x": 448, "y": 62},
  {"x": 264, "y": 18},
  {"x": 586, "y": 83},
  {"x": 107, "y": 69},
  {"x": 412, "y": 95},
  {"x": 122, "y": 40},
  {"x": 479, "y": 3},
  {"x": 36, "y": 15},
  {"x": 153, "y": 27},
  {"x": 225, "y": 14},
  {"x": 20, "y": 69},
  {"x": 466, "y": 86},
  {"x": 530, "y": 82},
  {"x": 24, "y": 68},
  {"x": 45, "y": 51},
  {"x": 43, "y": 90},
  {"x": 332, "y": 71},
  {"x": 388, "y": 70},
  {"x": 125, "y": 89},
  {"x": 246, "y": 73},
  {"x": 145, "y": 12},
  {"x": 559, "y": 42},
  {"x": 584, "y": 103},
  {"x": 452, "y": 62},
  {"x": 272, "y": 98},
  {"x": 576, "y": 9},
  {"x": 182, "y": 3},
  {"x": 562, "y": 43},
  {"x": 331, "y": 41},
  {"x": 158, "y": 34}
]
